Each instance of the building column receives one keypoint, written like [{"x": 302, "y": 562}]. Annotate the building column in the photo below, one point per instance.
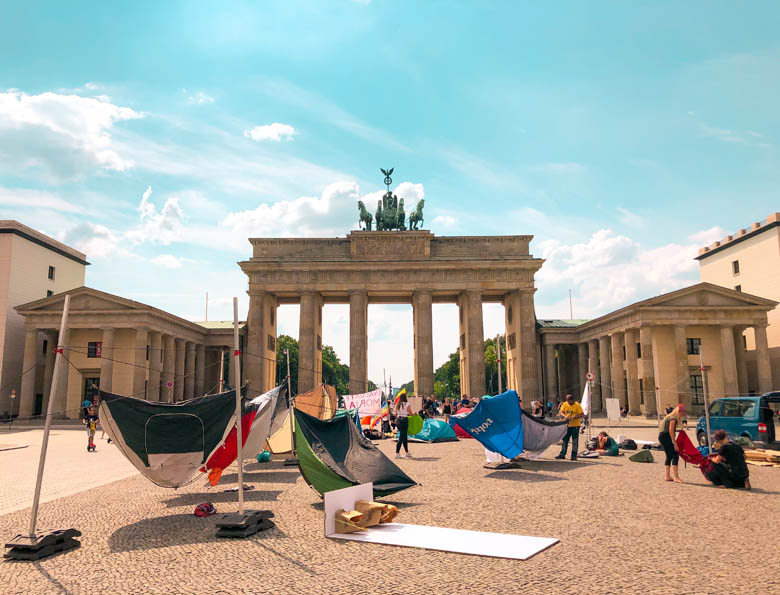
[
  {"x": 618, "y": 386},
  {"x": 728, "y": 358},
  {"x": 582, "y": 360},
  {"x": 472, "y": 351},
  {"x": 358, "y": 343},
  {"x": 139, "y": 370},
  {"x": 310, "y": 342},
  {"x": 563, "y": 361},
  {"x": 550, "y": 375},
  {"x": 30, "y": 365},
  {"x": 645, "y": 369},
  {"x": 107, "y": 361},
  {"x": 178, "y": 370},
  {"x": 48, "y": 371},
  {"x": 200, "y": 371},
  {"x": 631, "y": 337},
  {"x": 523, "y": 363},
  {"x": 189, "y": 370},
  {"x": 60, "y": 399},
  {"x": 739, "y": 350},
  {"x": 681, "y": 361},
  {"x": 606, "y": 370},
  {"x": 259, "y": 361},
  {"x": 762, "y": 361},
  {"x": 422, "y": 306},
  {"x": 153, "y": 389},
  {"x": 593, "y": 368},
  {"x": 168, "y": 368}
]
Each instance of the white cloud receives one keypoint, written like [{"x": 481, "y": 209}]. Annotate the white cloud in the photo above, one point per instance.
[
  {"x": 609, "y": 271},
  {"x": 444, "y": 221},
  {"x": 161, "y": 227},
  {"x": 26, "y": 197},
  {"x": 98, "y": 242},
  {"x": 629, "y": 218},
  {"x": 167, "y": 260},
  {"x": 199, "y": 98},
  {"x": 708, "y": 236},
  {"x": 66, "y": 136},
  {"x": 273, "y": 132}
]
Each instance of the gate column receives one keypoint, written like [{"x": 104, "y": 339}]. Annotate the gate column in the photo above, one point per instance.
[
  {"x": 472, "y": 349},
  {"x": 358, "y": 342},
  {"x": 423, "y": 343},
  {"x": 310, "y": 342}
]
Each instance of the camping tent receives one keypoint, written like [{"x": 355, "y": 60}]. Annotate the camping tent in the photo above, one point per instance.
[
  {"x": 333, "y": 454},
  {"x": 320, "y": 402},
  {"x": 497, "y": 423},
  {"x": 460, "y": 413},
  {"x": 257, "y": 418},
  {"x": 539, "y": 434},
  {"x": 168, "y": 442},
  {"x": 435, "y": 430}
]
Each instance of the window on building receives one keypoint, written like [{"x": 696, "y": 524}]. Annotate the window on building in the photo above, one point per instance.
[
  {"x": 744, "y": 344},
  {"x": 641, "y": 391},
  {"x": 697, "y": 390},
  {"x": 46, "y": 346},
  {"x": 737, "y": 288},
  {"x": 694, "y": 346},
  {"x": 49, "y": 293},
  {"x": 735, "y": 267},
  {"x": 95, "y": 349},
  {"x": 51, "y": 273},
  {"x": 639, "y": 350},
  {"x": 624, "y": 356},
  {"x": 147, "y": 359}
]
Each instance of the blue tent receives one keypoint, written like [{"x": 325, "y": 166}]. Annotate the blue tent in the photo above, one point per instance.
[
  {"x": 435, "y": 430},
  {"x": 497, "y": 423}
]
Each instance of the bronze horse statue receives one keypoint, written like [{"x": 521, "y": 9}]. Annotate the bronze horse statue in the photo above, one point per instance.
[
  {"x": 416, "y": 216},
  {"x": 365, "y": 216}
]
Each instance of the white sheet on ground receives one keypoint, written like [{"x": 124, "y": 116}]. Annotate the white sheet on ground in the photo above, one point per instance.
[{"x": 480, "y": 543}]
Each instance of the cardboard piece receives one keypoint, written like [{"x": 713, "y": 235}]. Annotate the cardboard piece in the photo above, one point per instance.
[{"x": 499, "y": 545}]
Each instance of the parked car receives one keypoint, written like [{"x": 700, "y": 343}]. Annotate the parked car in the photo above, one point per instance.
[{"x": 749, "y": 416}]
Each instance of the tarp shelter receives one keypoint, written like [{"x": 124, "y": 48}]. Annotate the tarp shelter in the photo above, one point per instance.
[
  {"x": 497, "y": 423},
  {"x": 320, "y": 402},
  {"x": 459, "y": 414},
  {"x": 168, "y": 442},
  {"x": 257, "y": 419},
  {"x": 435, "y": 430},
  {"x": 334, "y": 454},
  {"x": 539, "y": 434}
]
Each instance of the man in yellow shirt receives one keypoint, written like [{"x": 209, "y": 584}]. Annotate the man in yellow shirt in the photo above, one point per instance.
[{"x": 574, "y": 413}]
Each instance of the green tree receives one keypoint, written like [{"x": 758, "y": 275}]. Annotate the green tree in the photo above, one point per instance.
[
  {"x": 334, "y": 372},
  {"x": 446, "y": 379},
  {"x": 409, "y": 386},
  {"x": 491, "y": 368},
  {"x": 282, "y": 343}
]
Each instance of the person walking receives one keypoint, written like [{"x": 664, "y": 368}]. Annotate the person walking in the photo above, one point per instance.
[
  {"x": 669, "y": 426},
  {"x": 572, "y": 411},
  {"x": 402, "y": 412}
]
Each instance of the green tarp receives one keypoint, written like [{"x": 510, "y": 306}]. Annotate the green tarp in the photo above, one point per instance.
[{"x": 334, "y": 454}]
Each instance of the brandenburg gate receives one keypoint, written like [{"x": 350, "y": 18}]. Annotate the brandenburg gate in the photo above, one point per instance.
[{"x": 393, "y": 267}]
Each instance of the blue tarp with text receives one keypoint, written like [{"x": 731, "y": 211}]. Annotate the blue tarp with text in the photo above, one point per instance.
[{"x": 497, "y": 422}]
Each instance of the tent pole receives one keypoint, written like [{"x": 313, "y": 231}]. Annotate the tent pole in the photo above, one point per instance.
[
  {"x": 292, "y": 406},
  {"x": 221, "y": 370},
  {"x": 498, "y": 354},
  {"x": 237, "y": 388},
  {"x": 706, "y": 403},
  {"x": 49, "y": 408}
]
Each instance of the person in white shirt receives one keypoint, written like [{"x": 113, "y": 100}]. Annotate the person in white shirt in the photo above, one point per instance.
[{"x": 402, "y": 413}]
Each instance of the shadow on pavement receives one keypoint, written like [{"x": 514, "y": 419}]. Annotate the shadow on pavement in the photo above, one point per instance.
[
  {"x": 519, "y": 475},
  {"x": 267, "y": 477},
  {"x": 175, "y": 529},
  {"x": 52, "y": 581},
  {"x": 413, "y": 458},
  {"x": 217, "y": 497},
  {"x": 284, "y": 557},
  {"x": 562, "y": 466}
]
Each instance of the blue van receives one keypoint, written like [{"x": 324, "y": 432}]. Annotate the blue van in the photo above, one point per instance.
[{"x": 749, "y": 416}]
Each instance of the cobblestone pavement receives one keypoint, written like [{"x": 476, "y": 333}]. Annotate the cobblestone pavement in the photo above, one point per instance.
[
  {"x": 622, "y": 529},
  {"x": 69, "y": 467}
]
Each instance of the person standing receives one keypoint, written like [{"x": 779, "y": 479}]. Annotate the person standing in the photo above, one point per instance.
[
  {"x": 91, "y": 421},
  {"x": 447, "y": 410},
  {"x": 572, "y": 411},
  {"x": 402, "y": 412},
  {"x": 669, "y": 426}
]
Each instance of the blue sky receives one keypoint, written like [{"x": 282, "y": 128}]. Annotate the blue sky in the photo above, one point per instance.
[{"x": 157, "y": 137}]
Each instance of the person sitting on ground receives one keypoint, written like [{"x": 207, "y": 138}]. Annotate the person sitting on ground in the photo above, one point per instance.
[
  {"x": 538, "y": 410},
  {"x": 606, "y": 445},
  {"x": 729, "y": 469}
]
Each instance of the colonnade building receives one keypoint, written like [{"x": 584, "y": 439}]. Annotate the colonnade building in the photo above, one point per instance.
[{"x": 648, "y": 355}]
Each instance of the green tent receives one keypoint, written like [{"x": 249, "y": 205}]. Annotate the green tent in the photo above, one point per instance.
[{"x": 334, "y": 454}]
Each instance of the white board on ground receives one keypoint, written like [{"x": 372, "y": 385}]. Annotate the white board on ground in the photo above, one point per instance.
[
  {"x": 480, "y": 543},
  {"x": 613, "y": 409}
]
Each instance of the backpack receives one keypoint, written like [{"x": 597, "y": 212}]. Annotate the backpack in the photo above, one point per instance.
[
  {"x": 643, "y": 456},
  {"x": 205, "y": 509},
  {"x": 628, "y": 444},
  {"x": 592, "y": 444}
]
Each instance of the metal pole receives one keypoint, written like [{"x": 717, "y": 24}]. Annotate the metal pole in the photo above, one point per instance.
[
  {"x": 237, "y": 388},
  {"x": 49, "y": 408},
  {"x": 222, "y": 370},
  {"x": 207, "y": 306},
  {"x": 498, "y": 355},
  {"x": 706, "y": 404},
  {"x": 292, "y": 406},
  {"x": 571, "y": 310},
  {"x": 11, "y": 416}
]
